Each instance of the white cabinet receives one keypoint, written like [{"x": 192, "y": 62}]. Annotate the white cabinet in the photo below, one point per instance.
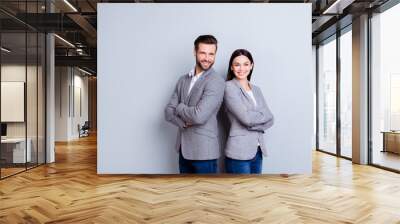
[{"x": 18, "y": 149}]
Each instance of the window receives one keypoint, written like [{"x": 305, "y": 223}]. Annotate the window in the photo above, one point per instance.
[
  {"x": 346, "y": 93},
  {"x": 327, "y": 96},
  {"x": 385, "y": 88}
]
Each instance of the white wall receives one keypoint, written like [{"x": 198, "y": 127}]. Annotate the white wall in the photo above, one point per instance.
[
  {"x": 144, "y": 48},
  {"x": 68, "y": 82},
  {"x": 61, "y": 103}
]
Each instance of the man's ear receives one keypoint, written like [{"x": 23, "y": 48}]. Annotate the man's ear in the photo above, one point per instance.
[{"x": 194, "y": 52}]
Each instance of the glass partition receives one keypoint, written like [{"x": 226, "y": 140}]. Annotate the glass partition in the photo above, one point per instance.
[
  {"x": 13, "y": 104},
  {"x": 22, "y": 77},
  {"x": 327, "y": 96}
]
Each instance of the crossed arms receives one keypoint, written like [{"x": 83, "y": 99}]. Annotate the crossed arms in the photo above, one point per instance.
[
  {"x": 255, "y": 120},
  {"x": 181, "y": 114}
]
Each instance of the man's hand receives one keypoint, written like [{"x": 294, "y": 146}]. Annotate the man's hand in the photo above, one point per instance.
[{"x": 188, "y": 124}]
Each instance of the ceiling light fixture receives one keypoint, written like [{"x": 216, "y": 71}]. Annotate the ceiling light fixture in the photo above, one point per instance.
[
  {"x": 84, "y": 71},
  {"x": 64, "y": 40},
  {"x": 337, "y": 7},
  {"x": 70, "y": 5},
  {"x": 5, "y": 50}
]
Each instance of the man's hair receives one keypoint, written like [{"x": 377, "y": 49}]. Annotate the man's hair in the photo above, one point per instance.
[{"x": 205, "y": 39}]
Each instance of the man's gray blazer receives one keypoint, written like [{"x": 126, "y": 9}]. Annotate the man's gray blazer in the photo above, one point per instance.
[
  {"x": 200, "y": 107},
  {"x": 248, "y": 121}
]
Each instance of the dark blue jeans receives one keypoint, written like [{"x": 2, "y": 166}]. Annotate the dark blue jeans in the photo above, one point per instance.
[
  {"x": 197, "y": 166},
  {"x": 253, "y": 166}
]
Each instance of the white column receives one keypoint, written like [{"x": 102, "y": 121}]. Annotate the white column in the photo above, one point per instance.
[
  {"x": 360, "y": 90},
  {"x": 50, "y": 110},
  {"x": 50, "y": 92}
]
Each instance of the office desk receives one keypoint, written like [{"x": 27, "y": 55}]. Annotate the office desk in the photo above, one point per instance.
[
  {"x": 391, "y": 141},
  {"x": 13, "y": 150}
]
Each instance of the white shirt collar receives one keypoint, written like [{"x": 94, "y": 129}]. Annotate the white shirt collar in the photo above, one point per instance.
[{"x": 192, "y": 72}]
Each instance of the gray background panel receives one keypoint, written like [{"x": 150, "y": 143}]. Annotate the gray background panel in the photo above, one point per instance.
[{"x": 144, "y": 48}]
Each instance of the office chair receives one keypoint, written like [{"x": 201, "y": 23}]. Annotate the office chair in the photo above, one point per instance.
[{"x": 84, "y": 130}]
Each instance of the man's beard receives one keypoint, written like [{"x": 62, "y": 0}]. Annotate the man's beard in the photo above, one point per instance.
[{"x": 201, "y": 66}]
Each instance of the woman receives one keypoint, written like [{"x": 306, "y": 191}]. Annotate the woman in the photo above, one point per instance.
[{"x": 249, "y": 116}]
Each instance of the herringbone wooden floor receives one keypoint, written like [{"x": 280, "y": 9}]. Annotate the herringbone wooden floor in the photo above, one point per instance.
[{"x": 70, "y": 191}]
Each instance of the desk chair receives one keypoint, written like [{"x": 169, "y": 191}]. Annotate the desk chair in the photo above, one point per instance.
[{"x": 84, "y": 130}]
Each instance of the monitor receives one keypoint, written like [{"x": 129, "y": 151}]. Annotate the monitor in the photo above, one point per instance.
[{"x": 3, "y": 129}]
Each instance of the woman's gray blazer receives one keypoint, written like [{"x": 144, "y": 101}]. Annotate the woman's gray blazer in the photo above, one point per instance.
[{"x": 248, "y": 122}]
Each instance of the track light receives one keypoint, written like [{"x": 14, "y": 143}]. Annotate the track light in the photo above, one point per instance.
[
  {"x": 64, "y": 40},
  {"x": 70, "y": 5},
  {"x": 5, "y": 50},
  {"x": 338, "y": 6},
  {"x": 84, "y": 71}
]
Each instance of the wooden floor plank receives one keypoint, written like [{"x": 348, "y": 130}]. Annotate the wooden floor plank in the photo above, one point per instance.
[{"x": 70, "y": 191}]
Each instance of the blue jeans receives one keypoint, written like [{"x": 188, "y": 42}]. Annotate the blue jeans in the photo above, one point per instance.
[
  {"x": 253, "y": 166},
  {"x": 197, "y": 166}
]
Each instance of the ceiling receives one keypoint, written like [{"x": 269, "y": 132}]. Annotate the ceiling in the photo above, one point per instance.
[{"x": 76, "y": 22}]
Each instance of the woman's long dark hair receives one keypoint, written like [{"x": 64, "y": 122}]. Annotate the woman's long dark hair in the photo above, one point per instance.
[{"x": 236, "y": 53}]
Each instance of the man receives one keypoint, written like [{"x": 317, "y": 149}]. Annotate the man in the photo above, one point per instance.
[{"x": 193, "y": 108}]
